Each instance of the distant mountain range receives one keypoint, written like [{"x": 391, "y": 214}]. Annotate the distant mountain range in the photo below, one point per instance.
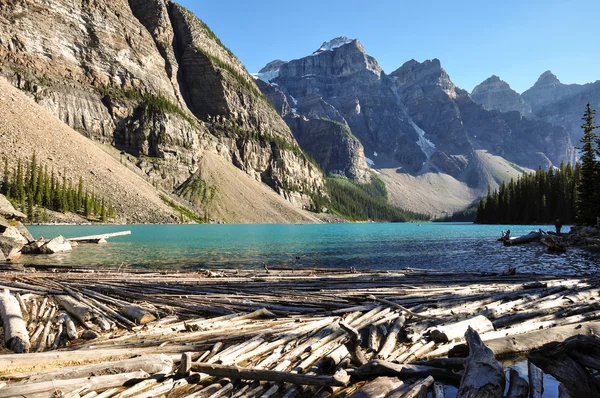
[
  {"x": 158, "y": 90},
  {"x": 416, "y": 128}
]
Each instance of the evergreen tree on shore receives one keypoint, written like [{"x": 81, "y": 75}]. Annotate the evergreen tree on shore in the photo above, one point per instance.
[
  {"x": 569, "y": 194},
  {"x": 587, "y": 186},
  {"x": 30, "y": 187}
]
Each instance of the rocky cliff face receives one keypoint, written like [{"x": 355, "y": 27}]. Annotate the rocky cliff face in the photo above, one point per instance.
[
  {"x": 414, "y": 120},
  {"x": 562, "y": 104},
  {"x": 332, "y": 145},
  {"x": 495, "y": 94},
  {"x": 151, "y": 79}
]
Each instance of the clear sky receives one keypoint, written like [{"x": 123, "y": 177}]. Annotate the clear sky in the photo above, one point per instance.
[{"x": 515, "y": 39}]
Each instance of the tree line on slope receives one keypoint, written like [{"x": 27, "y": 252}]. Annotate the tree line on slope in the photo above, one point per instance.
[
  {"x": 363, "y": 202},
  {"x": 34, "y": 190},
  {"x": 571, "y": 194}
]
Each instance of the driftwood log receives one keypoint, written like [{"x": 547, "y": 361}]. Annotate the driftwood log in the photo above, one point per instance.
[
  {"x": 484, "y": 376},
  {"x": 16, "y": 337},
  {"x": 567, "y": 362},
  {"x": 48, "y": 389},
  {"x": 340, "y": 379},
  {"x": 518, "y": 387},
  {"x": 380, "y": 387}
]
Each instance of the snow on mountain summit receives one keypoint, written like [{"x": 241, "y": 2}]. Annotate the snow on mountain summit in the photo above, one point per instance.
[{"x": 333, "y": 44}]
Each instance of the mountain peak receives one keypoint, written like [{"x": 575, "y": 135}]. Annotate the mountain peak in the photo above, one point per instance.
[
  {"x": 333, "y": 44},
  {"x": 547, "y": 79},
  {"x": 491, "y": 83}
]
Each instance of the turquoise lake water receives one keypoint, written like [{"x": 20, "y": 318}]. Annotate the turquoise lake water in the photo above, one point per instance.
[{"x": 440, "y": 246}]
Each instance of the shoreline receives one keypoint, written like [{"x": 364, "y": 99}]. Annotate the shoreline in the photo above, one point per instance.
[{"x": 287, "y": 321}]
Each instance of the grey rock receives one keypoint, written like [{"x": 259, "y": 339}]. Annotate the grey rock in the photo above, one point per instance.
[
  {"x": 33, "y": 247},
  {"x": 24, "y": 232},
  {"x": 10, "y": 247},
  {"x": 56, "y": 245},
  {"x": 8, "y": 211},
  {"x": 495, "y": 94},
  {"x": 562, "y": 104},
  {"x": 333, "y": 146}
]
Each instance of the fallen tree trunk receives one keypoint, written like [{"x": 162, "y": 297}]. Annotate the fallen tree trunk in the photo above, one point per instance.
[
  {"x": 484, "y": 376},
  {"x": 17, "y": 363},
  {"x": 98, "y": 238},
  {"x": 380, "y": 387},
  {"x": 16, "y": 337},
  {"x": 340, "y": 379},
  {"x": 510, "y": 345},
  {"x": 554, "y": 358},
  {"x": 48, "y": 389},
  {"x": 530, "y": 237},
  {"x": 152, "y": 364},
  {"x": 452, "y": 331},
  {"x": 379, "y": 367},
  {"x": 80, "y": 311},
  {"x": 138, "y": 314},
  {"x": 518, "y": 387}
]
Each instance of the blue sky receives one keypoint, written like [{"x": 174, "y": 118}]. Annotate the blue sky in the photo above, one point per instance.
[{"x": 515, "y": 39}]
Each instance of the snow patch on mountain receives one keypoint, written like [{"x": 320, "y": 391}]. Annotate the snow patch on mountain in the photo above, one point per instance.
[
  {"x": 266, "y": 76},
  {"x": 333, "y": 44},
  {"x": 426, "y": 146},
  {"x": 370, "y": 162}
]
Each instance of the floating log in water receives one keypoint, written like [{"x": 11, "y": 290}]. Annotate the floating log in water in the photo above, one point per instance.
[
  {"x": 530, "y": 237},
  {"x": 98, "y": 238}
]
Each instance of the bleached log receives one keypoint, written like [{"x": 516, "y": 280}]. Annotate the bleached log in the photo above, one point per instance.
[
  {"x": 69, "y": 326},
  {"x": 80, "y": 311},
  {"x": 536, "y": 380},
  {"x": 16, "y": 363},
  {"x": 98, "y": 238},
  {"x": 138, "y": 314},
  {"x": 353, "y": 344},
  {"x": 152, "y": 364},
  {"x": 138, "y": 388},
  {"x": 234, "y": 372},
  {"x": 555, "y": 358},
  {"x": 380, "y": 367},
  {"x": 452, "y": 331},
  {"x": 48, "y": 389},
  {"x": 379, "y": 387},
  {"x": 484, "y": 376},
  {"x": 333, "y": 359},
  {"x": 419, "y": 389},
  {"x": 16, "y": 337},
  {"x": 518, "y": 386},
  {"x": 392, "y": 338}
]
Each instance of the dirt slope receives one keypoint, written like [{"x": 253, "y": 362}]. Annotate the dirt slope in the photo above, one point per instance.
[
  {"x": 242, "y": 199},
  {"x": 430, "y": 193},
  {"x": 26, "y": 127}
]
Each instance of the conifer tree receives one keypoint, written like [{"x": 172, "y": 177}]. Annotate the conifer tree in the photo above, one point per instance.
[
  {"x": 4, "y": 190},
  {"x": 586, "y": 186}
]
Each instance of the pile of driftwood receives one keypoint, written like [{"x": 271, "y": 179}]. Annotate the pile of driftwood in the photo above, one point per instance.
[
  {"x": 582, "y": 237},
  {"x": 284, "y": 333}
]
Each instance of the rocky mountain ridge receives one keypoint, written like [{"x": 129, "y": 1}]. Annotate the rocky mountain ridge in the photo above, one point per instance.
[
  {"x": 414, "y": 120},
  {"x": 151, "y": 79},
  {"x": 548, "y": 100}
]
